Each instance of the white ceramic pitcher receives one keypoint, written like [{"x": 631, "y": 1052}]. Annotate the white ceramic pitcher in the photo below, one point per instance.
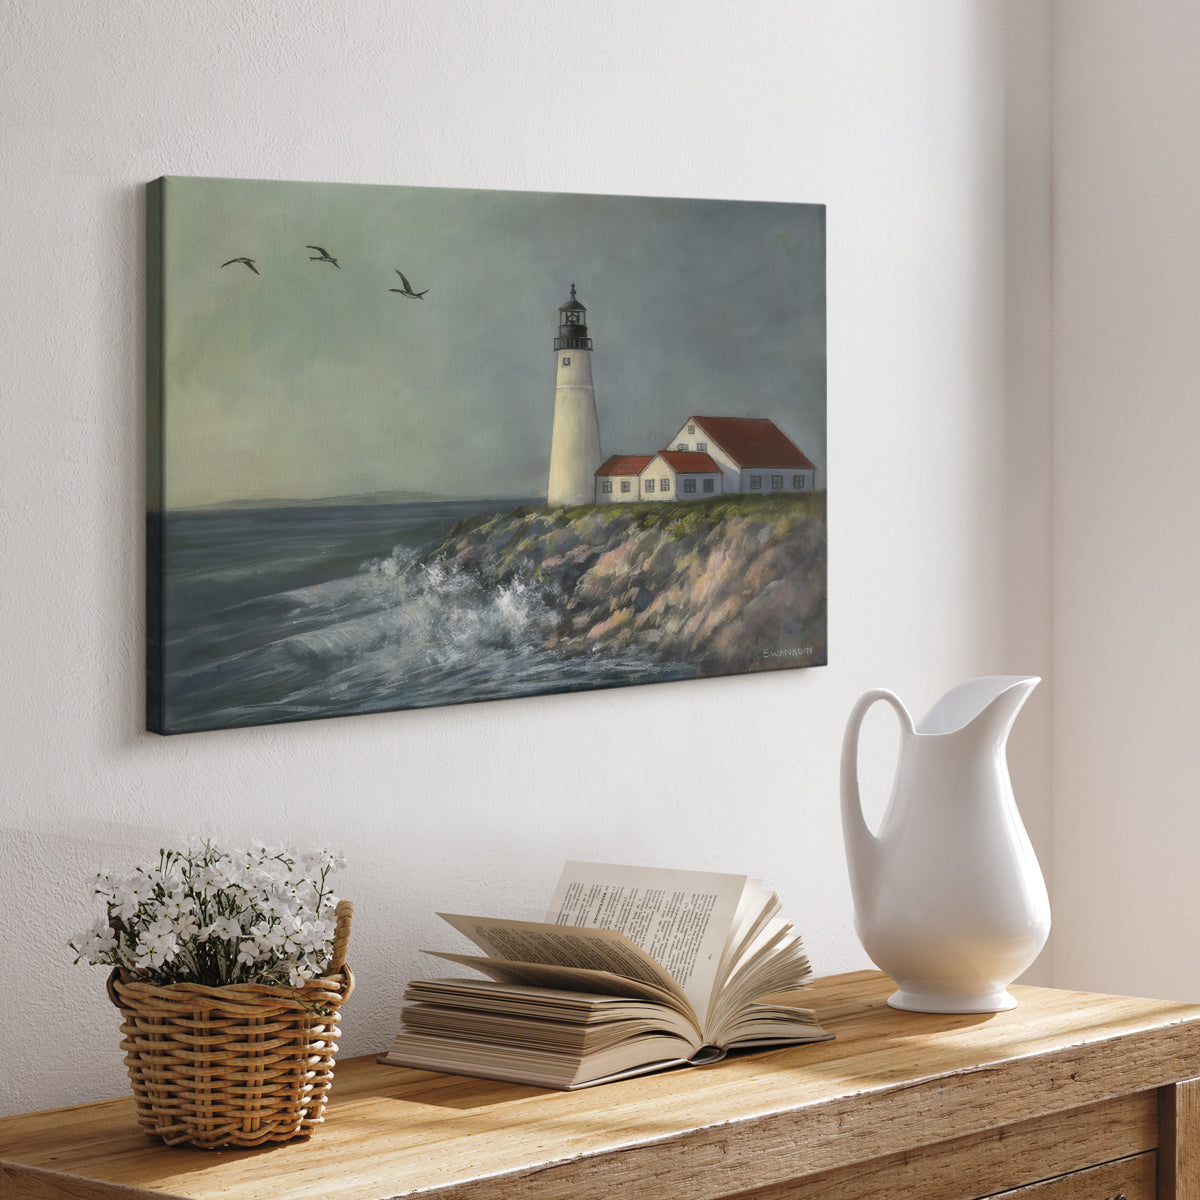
[{"x": 949, "y": 899}]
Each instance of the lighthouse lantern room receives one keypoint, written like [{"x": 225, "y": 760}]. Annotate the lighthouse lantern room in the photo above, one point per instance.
[{"x": 572, "y": 326}]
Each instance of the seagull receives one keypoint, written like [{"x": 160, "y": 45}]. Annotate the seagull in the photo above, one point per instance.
[
  {"x": 248, "y": 261},
  {"x": 406, "y": 290},
  {"x": 324, "y": 254}
]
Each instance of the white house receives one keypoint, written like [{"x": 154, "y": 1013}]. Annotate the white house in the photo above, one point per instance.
[
  {"x": 667, "y": 475},
  {"x": 754, "y": 454},
  {"x": 709, "y": 456},
  {"x": 680, "y": 475},
  {"x": 619, "y": 478}
]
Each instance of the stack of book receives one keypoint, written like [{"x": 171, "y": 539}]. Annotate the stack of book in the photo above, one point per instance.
[{"x": 634, "y": 970}]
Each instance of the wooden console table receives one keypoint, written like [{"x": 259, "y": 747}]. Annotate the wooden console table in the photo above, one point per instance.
[{"x": 1071, "y": 1096}]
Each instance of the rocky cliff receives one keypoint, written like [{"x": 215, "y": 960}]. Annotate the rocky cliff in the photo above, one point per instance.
[{"x": 729, "y": 585}]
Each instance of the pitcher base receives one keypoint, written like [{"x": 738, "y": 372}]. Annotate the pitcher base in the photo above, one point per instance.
[{"x": 933, "y": 1002}]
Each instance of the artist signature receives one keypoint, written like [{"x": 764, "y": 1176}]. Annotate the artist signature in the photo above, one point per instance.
[{"x": 788, "y": 652}]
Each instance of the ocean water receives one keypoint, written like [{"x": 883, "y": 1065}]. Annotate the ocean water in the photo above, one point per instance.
[{"x": 290, "y": 614}]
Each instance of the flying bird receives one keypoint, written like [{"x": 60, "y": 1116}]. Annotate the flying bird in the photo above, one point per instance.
[
  {"x": 406, "y": 290},
  {"x": 247, "y": 261},
  {"x": 322, "y": 255}
]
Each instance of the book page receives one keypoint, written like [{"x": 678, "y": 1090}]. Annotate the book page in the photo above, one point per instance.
[
  {"x": 681, "y": 919},
  {"x": 555, "y": 979},
  {"x": 555, "y": 946}
]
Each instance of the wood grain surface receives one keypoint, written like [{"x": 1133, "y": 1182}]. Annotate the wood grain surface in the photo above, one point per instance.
[{"x": 1068, "y": 1079}]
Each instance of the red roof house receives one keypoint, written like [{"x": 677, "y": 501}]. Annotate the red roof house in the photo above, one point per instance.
[
  {"x": 710, "y": 456},
  {"x": 754, "y": 453}
]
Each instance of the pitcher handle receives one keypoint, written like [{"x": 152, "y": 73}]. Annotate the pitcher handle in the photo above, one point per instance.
[{"x": 860, "y": 841}]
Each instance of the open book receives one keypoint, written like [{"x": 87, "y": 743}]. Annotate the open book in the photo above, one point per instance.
[{"x": 634, "y": 970}]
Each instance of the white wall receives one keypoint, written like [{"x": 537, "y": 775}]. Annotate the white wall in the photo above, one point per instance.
[
  {"x": 922, "y": 126},
  {"x": 1127, "y": 495}
]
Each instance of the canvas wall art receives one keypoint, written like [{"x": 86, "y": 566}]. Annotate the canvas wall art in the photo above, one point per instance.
[{"x": 417, "y": 446}]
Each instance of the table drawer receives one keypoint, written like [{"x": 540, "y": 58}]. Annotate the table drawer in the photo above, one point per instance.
[
  {"x": 1126, "y": 1179},
  {"x": 1029, "y": 1159}
]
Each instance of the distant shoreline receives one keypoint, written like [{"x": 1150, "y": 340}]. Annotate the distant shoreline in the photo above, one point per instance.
[{"x": 351, "y": 501}]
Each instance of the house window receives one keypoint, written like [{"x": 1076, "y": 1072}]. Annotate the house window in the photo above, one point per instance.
[
  {"x": 701, "y": 447},
  {"x": 708, "y": 485},
  {"x": 681, "y": 446},
  {"x": 689, "y": 485},
  {"x": 691, "y": 429},
  {"x": 798, "y": 482},
  {"x": 664, "y": 484},
  {"x": 606, "y": 485},
  {"x": 776, "y": 482},
  {"x": 756, "y": 483},
  {"x": 566, "y": 360},
  {"x": 649, "y": 485},
  {"x": 624, "y": 485}
]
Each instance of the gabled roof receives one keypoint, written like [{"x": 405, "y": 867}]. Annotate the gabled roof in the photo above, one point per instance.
[
  {"x": 690, "y": 462},
  {"x": 624, "y": 464},
  {"x": 753, "y": 442}
]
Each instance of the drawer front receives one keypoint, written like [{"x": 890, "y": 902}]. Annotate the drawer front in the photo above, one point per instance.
[
  {"x": 1041, "y": 1159},
  {"x": 1126, "y": 1179}
]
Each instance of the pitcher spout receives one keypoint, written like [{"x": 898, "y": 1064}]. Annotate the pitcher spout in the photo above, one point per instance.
[{"x": 988, "y": 705}]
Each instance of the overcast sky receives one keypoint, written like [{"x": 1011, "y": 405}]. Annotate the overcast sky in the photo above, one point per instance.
[{"x": 308, "y": 380}]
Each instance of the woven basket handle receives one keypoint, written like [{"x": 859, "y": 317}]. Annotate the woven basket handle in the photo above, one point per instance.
[{"x": 341, "y": 934}]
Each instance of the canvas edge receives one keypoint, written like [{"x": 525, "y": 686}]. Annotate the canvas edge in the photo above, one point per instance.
[{"x": 155, "y": 202}]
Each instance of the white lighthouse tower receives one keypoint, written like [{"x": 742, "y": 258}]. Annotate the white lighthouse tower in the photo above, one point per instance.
[{"x": 575, "y": 446}]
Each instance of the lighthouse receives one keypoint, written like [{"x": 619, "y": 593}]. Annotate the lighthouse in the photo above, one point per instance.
[{"x": 575, "y": 445}]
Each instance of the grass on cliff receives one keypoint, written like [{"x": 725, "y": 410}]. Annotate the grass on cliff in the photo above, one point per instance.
[
  {"x": 678, "y": 519},
  {"x": 675, "y": 519},
  {"x": 695, "y": 516}
]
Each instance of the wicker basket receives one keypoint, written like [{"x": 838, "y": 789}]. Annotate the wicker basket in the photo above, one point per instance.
[{"x": 240, "y": 1065}]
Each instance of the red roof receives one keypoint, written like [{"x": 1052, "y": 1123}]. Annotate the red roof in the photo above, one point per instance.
[
  {"x": 624, "y": 464},
  {"x": 753, "y": 442},
  {"x": 690, "y": 462}
]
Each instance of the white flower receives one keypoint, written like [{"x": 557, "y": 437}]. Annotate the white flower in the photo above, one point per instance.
[
  {"x": 153, "y": 952},
  {"x": 260, "y": 854},
  {"x": 97, "y": 945},
  {"x": 186, "y": 925},
  {"x": 159, "y": 938},
  {"x": 209, "y": 916},
  {"x": 279, "y": 905},
  {"x": 321, "y": 860},
  {"x": 101, "y": 882},
  {"x": 129, "y": 893},
  {"x": 270, "y": 937},
  {"x": 249, "y": 951},
  {"x": 219, "y": 875}
]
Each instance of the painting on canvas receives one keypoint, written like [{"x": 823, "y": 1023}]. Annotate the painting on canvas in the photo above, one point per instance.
[{"x": 418, "y": 446}]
